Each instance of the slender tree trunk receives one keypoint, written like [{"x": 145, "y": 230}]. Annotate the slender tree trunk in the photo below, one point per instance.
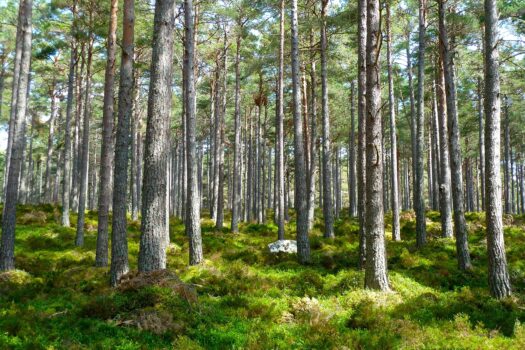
[
  {"x": 376, "y": 268},
  {"x": 193, "y": 226},
  {"x": 237, "y": 155},
  {"x": 119, "y": 241},
  {"x": 499, "y": 281},
  {"x": 419, "y": 200},
  {"x": 106, "y": 152},
  {"x": 7, "y": 242},
  {"x": 327, "y": 173},
  {"x": 50, "y": 139},
  {"x": 460, "y": 226},
  {"x": 152, "y": 254},
  {"x": 84, "y": 159},
  {"x": 280, "y": 131},
  {"x": 66, "y": 182},
  {"x": 301, "y": 206},
  {"x": 507, "y": 168},
  {"x": 361, "y": 132},
  {"x": 396, "y": 235},
  {"x": 481, "y": 143},
  {"x": 351, "y": 156},
  {"x": 445, "y": 202}
]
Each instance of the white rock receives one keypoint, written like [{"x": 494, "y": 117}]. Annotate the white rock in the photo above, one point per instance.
[{"x": 284, "y": 246}]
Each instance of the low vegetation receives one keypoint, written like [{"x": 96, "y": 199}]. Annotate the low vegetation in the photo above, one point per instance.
[{"x": 244, "y": 297}]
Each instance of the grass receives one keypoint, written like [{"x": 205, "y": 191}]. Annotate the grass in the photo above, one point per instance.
[{"x": 250, "y": 299}]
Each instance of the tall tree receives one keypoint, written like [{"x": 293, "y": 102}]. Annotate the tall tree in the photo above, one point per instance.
[
  {"x": 328, "y": 210},
  {"x": 445, "y": 202},
  {"x": 20, "y": 93},
  {"x": 361, "y": 130},
  {"x": 460, "y": 225},
  {"x": 419, "y": 200},
  {"x": 376, "y": 268},
  {"x": 84, "y": 155},
  {"x": 152, "y": 254},
  {"x": 106, "y": 151},
  {"x": 280, "y": 130},
  {"x": 119, "y": 242},
  {"x": 193, "y": 225},
  {"x": 66, "y": 173},
  {"x": 499, "y": 281},
  {"x": 301, "y": 207},
  {"x": 237, "y": 166},
  {"x": 396, "y": 235}
]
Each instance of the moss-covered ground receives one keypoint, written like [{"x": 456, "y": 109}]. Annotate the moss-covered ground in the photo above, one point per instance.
[{"x": 249, "y": 299}]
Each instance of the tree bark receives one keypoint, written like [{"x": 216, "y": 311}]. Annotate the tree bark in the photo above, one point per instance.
[
  {"x": 445, "y": 202},
  {"x": 300, "y": 193},
  {"x": 460, "y": 226},
  {"x": 361, "y": 131},
  {"x": 237, "y": 155},
  {"x": 280, "y": 130},
  {"x": 327, "y": 173},
  {"x": 152, "y": 253},
  {"x": 84, "y": 157},
  {"x": 66, "y": 181},
  {"x": 419, "y": 200},
  {"x": 106, "y": 152},
  {"x": 499, "y": 281},
  {"x": 376, "y": 267},
  {"x": 119, "y": 242},
  {"x": 396, "y": 235},
  {"x": 20, "y": 89},
  {"x": 193, "y": 226}
]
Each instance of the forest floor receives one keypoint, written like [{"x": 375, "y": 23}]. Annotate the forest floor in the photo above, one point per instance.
[{"x": 244, "y": 297}]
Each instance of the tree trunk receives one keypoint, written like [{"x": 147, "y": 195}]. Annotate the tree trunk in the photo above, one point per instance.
[
  {"x": 55, "y": 105},
  {"x": 327, "y": 173},
  {"x": 66, "y": 181},
  {"x": 152, "y": 254},
  {"x": 193, "y": 226},
  {"x": 445, "y": 202},
  {"x": 396, "y": 235},
  {"x": 119, "y": 242},
  {"x": 361, "y": 131},
  {"x": 351, "y": 156},
  {"x": 499, "y": 281},
  {"x": 419, "y": 200},
  {"x": 301, "y": 206},
  {"x": 106, "y": 152},
  {"x": 460, "y": 226},
  {"x": 481, "y": 143},
  {"x": 20, "y": 89},
  {"x": 376, "y": 268},
  {"x": 280, "y": 131},
  {"x": 84, "y": 158},
  {"x": 237, "y": 155}
]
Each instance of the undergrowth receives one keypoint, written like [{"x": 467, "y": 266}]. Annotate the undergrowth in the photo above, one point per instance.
[{"x": 242, "y": 297}]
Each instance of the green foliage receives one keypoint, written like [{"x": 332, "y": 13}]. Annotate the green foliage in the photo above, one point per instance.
[{"x": 244, "y": 297}]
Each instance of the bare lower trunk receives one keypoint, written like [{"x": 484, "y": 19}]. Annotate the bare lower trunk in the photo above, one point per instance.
[
  {"x": 119, "y": 241},
  {"x": 396, "y": 235},
  {"x": 499, "y": 281},
  {"x": 152, "y": 254},
  {"x": 301, "y": 207},
  {"x": 280, "y": 132},
  {"x": 106, "y": 152},
  {"x": 376, "y": 267},
  {"x": 193, "y": 226},
  {"x": 361, "y": 132},
  {"x": 327, "y": 173},
  {"x": 84, "y": 158},
  {"x": 445, "y": 201},
  {"x": 7, "y": 242},
  {"x": 419, "y": 200},
  {"x": 460, "y": 226}
]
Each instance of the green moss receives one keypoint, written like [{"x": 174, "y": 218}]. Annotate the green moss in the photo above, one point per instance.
[{"x": 249, "y": 298}]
